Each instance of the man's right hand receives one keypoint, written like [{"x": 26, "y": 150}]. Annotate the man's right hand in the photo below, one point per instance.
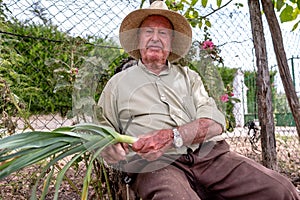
[{"x": 114, "y": 153}]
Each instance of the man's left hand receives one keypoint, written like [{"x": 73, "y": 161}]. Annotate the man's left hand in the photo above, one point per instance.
[{"x": 154, "y": 144}]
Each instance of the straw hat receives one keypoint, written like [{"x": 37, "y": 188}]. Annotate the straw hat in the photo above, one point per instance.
[{"x": 182, "y": 30}]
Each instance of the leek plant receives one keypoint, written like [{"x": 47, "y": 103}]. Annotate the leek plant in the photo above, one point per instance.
[{"x": 24, "y": 149}]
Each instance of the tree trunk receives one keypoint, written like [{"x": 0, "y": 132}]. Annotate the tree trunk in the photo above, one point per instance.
[
  {"x": 282, "y": 63},
  {"x": 264, "y": 93}
]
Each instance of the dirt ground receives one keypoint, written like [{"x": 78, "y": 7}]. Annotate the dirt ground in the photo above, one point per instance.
[{"x": 18, "y": 185}]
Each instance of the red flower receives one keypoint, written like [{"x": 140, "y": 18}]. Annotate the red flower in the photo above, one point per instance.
[
  {"x": 208, "y": 44},
  {"x": 224, "y": 98}
]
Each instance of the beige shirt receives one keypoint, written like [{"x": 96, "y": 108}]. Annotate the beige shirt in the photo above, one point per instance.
[{"x": 140, "y": 101}]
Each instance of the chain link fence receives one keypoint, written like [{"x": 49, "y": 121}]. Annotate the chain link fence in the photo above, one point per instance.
[{"x": 230, "y": 31}]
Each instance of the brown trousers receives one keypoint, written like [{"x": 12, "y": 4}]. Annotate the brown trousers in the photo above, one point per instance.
[{"x": 212, "y": 172}]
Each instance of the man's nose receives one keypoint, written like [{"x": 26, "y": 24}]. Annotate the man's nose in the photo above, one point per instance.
[{"x": 155, "y": 36}]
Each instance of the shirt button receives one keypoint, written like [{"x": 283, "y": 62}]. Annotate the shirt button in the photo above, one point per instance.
[{"x": 163, "y": 97}]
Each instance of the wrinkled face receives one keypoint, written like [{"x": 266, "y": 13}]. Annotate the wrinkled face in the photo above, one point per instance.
[{"x": 155, "y": 37}]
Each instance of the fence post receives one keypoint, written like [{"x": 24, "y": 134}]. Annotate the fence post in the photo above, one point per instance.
[{"x": 293, "y": 71}]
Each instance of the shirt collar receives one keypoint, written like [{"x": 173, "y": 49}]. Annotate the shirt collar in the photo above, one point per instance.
[{"x": 165, "y": 72}]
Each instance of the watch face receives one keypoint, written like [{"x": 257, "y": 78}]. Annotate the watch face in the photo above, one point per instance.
[{"x": 178, "y": 142}]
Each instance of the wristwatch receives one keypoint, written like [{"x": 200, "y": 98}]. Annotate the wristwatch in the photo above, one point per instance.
[{"x": 177, "y": 139}]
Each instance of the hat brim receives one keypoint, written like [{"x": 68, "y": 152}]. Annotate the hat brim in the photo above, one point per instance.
[{"x": 182, "y": 32}]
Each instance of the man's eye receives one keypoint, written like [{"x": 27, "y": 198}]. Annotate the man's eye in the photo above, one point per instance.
[{"x": 148, "y": 31}]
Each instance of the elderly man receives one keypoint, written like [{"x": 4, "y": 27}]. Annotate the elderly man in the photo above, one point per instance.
[{"x": 179, "y": 153}]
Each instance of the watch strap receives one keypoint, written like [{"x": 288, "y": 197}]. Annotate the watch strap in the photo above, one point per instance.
[{"x": 177, "y": 139}]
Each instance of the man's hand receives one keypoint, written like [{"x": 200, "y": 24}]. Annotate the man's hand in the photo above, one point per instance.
[
  {"x": 154, "y": 144},
  {"x": 114, "y": 153}
]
